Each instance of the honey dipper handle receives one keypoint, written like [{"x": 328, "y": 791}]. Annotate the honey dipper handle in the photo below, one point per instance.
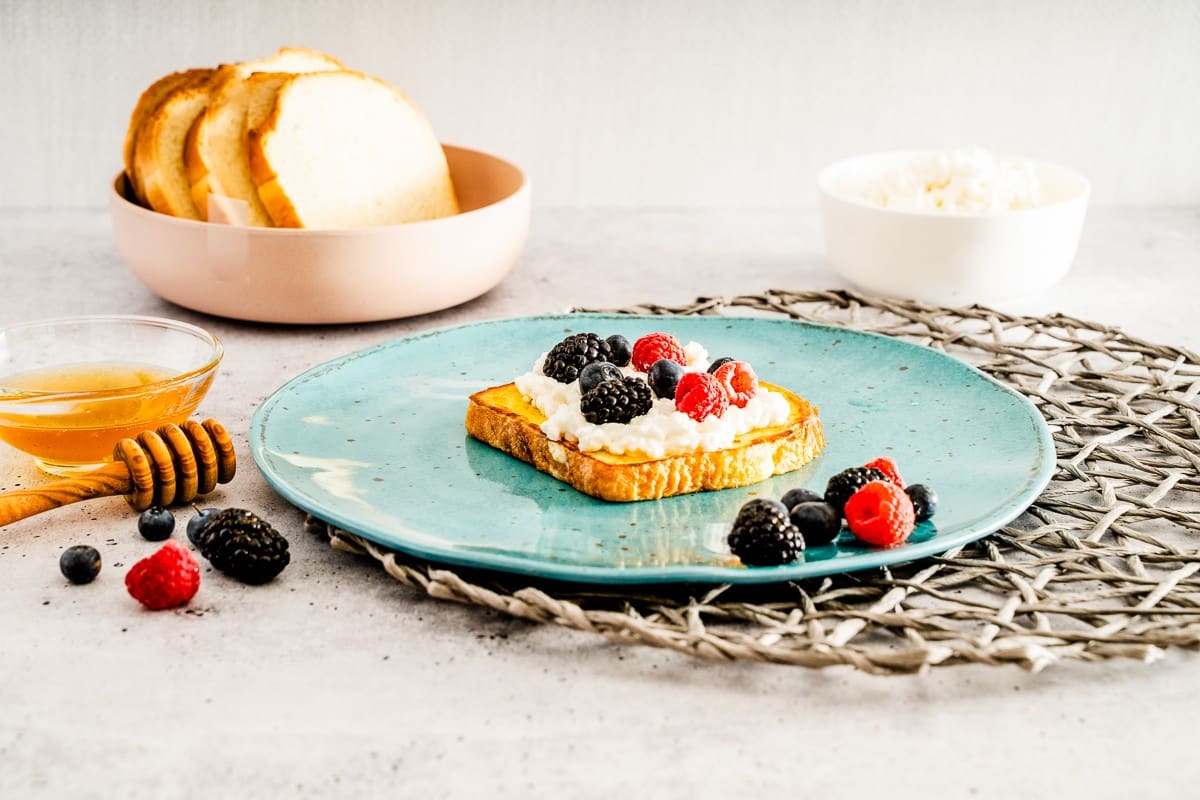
[{"x": 106, "y": 481}]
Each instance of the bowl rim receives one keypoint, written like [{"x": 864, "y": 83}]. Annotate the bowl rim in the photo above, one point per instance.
[
  {"x": 216, "y": 354},
  {"x": 1081, "y": 195},
  {"x": 119, "y": 180}
]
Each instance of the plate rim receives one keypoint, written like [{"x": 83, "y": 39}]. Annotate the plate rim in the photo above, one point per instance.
[{"x": 708, "y": 574}]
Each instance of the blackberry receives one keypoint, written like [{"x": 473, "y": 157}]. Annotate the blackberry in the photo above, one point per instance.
[
  {"x": 156, "y": 523},
  {"x": 763, "y": 536},
  {"x": 817, "y": 522},
  {"x": 620, "y": 350},
  {"x": 243, "y": 546},
  {"x": 568, "y": 357},
  {"x": 716, "y": 365},
  {"x": 664, "y": 377},
  {"x": 847, "y": 482},
  {"x": 794, "y": 497},
  {"x": 80, "y": 563},
  {"x": 596, "y": 373},
  {"x": 924, "y": 500},
  {"x": 616, "y": 401}
]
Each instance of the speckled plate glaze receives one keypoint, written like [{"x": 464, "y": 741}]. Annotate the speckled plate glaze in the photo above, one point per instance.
[{"x": 374, "y": 443}]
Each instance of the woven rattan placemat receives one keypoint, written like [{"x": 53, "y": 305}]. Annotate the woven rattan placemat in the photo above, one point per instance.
[{"x": 1102, "y": 566}]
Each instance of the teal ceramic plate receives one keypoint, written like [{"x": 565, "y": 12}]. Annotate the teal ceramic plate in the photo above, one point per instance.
[{"x": 374, "y": 443}]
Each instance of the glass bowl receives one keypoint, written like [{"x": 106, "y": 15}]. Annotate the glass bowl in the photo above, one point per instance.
[{"x": 71, "y": 388}]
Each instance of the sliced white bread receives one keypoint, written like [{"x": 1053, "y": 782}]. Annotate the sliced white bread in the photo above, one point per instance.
[
  {"x": 215, "y": 152},
  {"x": 346, "y": 150},
  {"x": 150, "y": 100},
  {"x": 158, "y": 149}
]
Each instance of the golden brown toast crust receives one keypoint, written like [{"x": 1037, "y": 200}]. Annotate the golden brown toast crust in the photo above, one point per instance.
[{"x": 500, "y": 417}]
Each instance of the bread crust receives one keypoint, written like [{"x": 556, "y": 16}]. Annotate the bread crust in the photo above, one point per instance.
[
  {"x": 147, "y": 104},
  {"x": 222, "y": 83},
  {"x": 495, "y": 418},
  {"x": 150, "y": 174}
]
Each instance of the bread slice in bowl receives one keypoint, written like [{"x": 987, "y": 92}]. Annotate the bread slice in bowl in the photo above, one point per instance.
[
  {"x": 503, "y": 418},
  {"x": 346, "y": 150},
  {"x": 149, "y": 101},
  {"x": 214, "y": 154},
  {"x": 158, "y": 149}
]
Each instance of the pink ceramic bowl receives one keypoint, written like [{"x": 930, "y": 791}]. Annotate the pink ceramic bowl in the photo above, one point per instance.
[{"x": 330, "y": 276}]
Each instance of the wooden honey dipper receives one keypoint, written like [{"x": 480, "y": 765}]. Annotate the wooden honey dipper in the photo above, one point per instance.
[{"x": 173, "y": 464}]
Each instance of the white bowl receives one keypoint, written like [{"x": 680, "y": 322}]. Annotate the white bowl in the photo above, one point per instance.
[
  {"x": 949, "y": 258},
  {"x": 332, "y": 276}
]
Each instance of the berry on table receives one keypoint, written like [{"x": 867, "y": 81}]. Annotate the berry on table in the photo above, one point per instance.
[
  {"x": 738, "y": 380},
  {"x": 847, "y": 482},
  {"x": 794, "y": 497},
  {"x": 244, "y": 546},
  {"x": 80, "y": 563},
  {"x": 699, "y": 395},
  {"x": 720, "y": 362},
  {"x": 156, "y": 523},
  {"x": 166, "y": 579},
  {"x": 201, "y": 518},
  {"x": 664, "y": 376},
  {"x": 817, "y": 522},
  {"x": 880, "y": 514},
  {"x": 763, "y": 536},
  {"x": 888, "y": 468},
  {"x": 924, "y": 500},
  {"x": 652, "y": 347},
  {"x": 596, "y": 373},
  {"x": 616, "y": 401},
  {"x": 566, "y": 359},
  {"x": 620, "y": 350}
]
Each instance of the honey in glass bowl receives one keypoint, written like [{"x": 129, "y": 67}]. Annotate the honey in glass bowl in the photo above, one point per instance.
[{"x": 71, "y": 389}]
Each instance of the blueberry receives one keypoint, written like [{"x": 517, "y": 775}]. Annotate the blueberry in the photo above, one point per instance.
[
  {"x": 156, "y": 523},
  {"x": 664, "y": 376},
  {"x": 924, "y": 499},
  {"x": 818, "y": 522},
  {"x": 620, "y": 349},
  {"x": 80, "y": 563},
  {"x": 197, "y": 523},
  {"x": 794, "y": 497},
  {"x": 720, "y": 362},
  {"x": 597, "y": 373}
]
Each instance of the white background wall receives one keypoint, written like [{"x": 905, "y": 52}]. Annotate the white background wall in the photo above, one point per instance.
[{"x": 664, "y": 104}]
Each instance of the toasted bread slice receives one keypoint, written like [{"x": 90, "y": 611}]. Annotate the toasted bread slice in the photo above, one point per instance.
[
  {"x": 501, "y": 417},
  {"x": 346, "y": 150},
  {"x": 150, "y": 100},
  {"x": 158, "y": 149},
  {"x": 215, "y": 151}
]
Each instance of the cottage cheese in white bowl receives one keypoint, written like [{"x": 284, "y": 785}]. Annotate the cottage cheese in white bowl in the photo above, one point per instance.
[{"x": 952, "y": 227}]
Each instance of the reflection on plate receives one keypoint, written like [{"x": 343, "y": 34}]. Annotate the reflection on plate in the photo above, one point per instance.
[{"x": 374, "y": 443}]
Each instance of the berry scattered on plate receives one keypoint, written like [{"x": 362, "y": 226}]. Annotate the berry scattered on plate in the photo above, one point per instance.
[{"x": 873, "y": 500}]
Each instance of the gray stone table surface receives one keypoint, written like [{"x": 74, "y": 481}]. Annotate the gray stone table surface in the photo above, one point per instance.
[{"x": 335, "y": 681}]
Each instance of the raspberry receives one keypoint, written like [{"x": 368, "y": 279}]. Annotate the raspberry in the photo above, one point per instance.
[
  {"x": 880, "y": 514},
  {"x": 699, "y": 395},
  {"x": 167, "y": 579},
  {"x": 888, "y": 468},
  {"x": 652, "y": 347},
  {"x": 739, "y": 382},
  {"x": 763, "y": 536}
]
